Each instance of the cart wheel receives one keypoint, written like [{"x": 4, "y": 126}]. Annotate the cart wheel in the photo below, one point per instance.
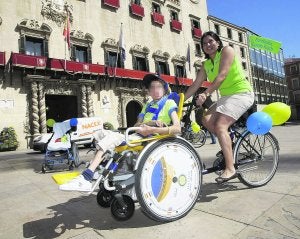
[
  {"x": 43, "y": 168},
  {"x": 104, "y": 198},
  {"x": 122, "y": 213}
]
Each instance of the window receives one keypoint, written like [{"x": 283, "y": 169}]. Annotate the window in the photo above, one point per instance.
[
  {"x": 217, "y": 29},
  {"x": 174, "y": 15},
  {"x": 137, "y": 2},
  {"x": 293, "y": 69},
  {"x": 240, "y": 37},
  {"x": 197, "y": 49},
  {"x": 229, "y": 33},
  {"x": 295, "y": 84},
  {"x": 140, "y": 63},
  {"x": 34, "y": 46},
  {"x": 242, "y": 49},
  {"x": 244, "y": 65},
  {"x": 162, "y": 67},
  {"x": 195, "y": 24},
  {"x": 180, "y": 71},
  {"x": 156, "y": 8},
  {"x": 81, "y": 54},
  {"x": 111, "y": 58}
]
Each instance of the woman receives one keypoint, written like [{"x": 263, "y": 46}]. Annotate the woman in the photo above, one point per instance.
[
  {"x": 224, "y": 71},
  {"x": 157, "y": 117}
]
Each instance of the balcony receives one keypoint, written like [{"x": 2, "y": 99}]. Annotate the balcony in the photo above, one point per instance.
[
  {"x": 2, "y": 58},
  {"x": 158, "y": 18},
  {"x": 137, "y": 10},
  {"x": 197, "y": 32},
  {"x": 176, "y": 25},
  {"x": 21, "y": 60},
  {"x": 112, "y": 3}
]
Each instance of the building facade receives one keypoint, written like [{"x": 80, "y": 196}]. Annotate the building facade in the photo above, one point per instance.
[
  {"x": 292, "y": 72},
  {"x": 269, "y": 81},
  {"x": 45, "y": 74}
]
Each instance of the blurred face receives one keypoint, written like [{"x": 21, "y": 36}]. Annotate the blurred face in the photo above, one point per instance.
[
  {"x": 156, "y": 90},
  {"x": 210, "y": 45}
]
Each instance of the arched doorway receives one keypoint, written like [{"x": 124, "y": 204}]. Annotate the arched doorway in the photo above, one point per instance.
[{"x": 133, "y": 108}]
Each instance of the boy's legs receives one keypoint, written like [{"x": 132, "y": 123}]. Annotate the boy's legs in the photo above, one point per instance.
[{"x": 105, "y": 140}]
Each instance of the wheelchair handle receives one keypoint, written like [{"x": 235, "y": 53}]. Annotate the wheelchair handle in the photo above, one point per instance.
[{"x": 131, "y": 129}]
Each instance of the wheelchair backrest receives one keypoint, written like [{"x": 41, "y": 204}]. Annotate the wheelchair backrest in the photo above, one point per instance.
[
  {"x": 61, "y": 139},
  {"x": 179, "y": 99}
]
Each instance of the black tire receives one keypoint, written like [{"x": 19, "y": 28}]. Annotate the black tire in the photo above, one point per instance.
[
  {"x": 122, "y": 213},
  {"x": 75, "y": 154},
  {"x": 170, "y": 165},
  {"x": 104, "y": 198},
  {"x": 44, "y": 168},
  {"x": 198, "y": 139},
  {"x": 256, "y": 157}
]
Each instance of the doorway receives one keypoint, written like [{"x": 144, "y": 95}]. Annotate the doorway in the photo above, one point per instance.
[
  {"x": 133, "y": 109},
  {"x": 61, "y": 107}
]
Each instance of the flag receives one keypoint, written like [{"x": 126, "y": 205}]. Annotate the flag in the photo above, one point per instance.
[
  {"x": 66, "y": 32},
  {"x": 188, "y": 57},
  {"x": 264, "y": 43},
  {"x": 122, "y": 45}
]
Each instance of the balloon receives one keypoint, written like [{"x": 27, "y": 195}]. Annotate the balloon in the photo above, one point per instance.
[
  {"x": 259, "y": 123},
  {"x": 73, "y": 122},
  {"x": 50, "y": 122},
  {"x": 279, "y": 112}
]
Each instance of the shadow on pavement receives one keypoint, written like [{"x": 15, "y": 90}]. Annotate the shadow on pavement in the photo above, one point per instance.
[{"x": 82, "y": 214}]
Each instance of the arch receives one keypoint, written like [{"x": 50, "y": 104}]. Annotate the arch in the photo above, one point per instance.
[{"x": 133, "y": 108}]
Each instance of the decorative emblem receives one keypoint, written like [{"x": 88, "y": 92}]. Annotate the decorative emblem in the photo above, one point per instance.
[{"x": 56, "y": 10}]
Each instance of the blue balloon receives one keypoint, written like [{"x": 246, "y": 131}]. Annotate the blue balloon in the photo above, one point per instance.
[
  {"x": 259, "y": 123},
  {"x": 73, "y": 122}
]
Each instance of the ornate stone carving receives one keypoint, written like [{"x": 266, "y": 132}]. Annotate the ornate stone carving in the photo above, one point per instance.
[
  {"x": 56, "y": 10},
  {"x": 33, "y": 27},
  {"x": 35, "y": 109},
  {"x": 110, "y": 45},
  {"x": 161, "y": 56},
  {"x": 42, "y": 108},
  {"x": 0, "y": 21},
  {"x": 89, "y": 101},
  {"x": 179, "y": 60},
  {"x": 176, "y": 2},
  {"x": 83, "y": 101},
  {"x": 138, "y": 50},
  {"x": 79, "y": 38},
  {"x": 198, "y": 63}
]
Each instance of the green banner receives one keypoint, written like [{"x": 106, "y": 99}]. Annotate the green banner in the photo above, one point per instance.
[{"x": 263, "y": 43}]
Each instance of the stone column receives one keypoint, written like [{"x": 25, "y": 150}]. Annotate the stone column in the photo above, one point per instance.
[
  {"x": 42, "y": 107},
  {"x": 35, "y": 109},
  {"x": 83, "y": 101},
  {"x": 89, "y": 101}
]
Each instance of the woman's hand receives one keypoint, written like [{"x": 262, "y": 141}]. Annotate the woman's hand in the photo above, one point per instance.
[{"x": 200, "y": 100}]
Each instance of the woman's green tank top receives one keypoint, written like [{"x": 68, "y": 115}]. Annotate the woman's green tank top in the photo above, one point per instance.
[{"x": 235, "y": 81}]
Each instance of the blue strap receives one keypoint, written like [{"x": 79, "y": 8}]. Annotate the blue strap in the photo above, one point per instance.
[{"x": 155, "y": 111}]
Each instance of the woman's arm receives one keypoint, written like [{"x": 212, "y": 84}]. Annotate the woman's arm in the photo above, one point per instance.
[{"x": 201, "y": 76}]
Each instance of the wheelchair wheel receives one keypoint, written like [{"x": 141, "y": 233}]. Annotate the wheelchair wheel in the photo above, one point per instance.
[
  {"x": 256, "y": 157},
  {"x": 168, "y": 179},
  {"x": 104, "y": 198},
  {"x": 75, "y": 154},
  {"x": 122, "y": 211}
]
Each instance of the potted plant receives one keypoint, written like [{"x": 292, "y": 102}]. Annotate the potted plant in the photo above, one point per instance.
[{"x": 8, "y": 139}]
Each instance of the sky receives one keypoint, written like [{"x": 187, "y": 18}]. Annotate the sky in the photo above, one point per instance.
[{"x": 275, "y": 19}]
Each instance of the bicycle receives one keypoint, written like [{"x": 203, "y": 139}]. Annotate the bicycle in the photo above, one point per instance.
[{"x": 256, "y": 157}]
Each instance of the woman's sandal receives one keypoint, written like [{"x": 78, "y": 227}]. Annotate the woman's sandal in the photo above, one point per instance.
[{"x": 223, "y": 180}]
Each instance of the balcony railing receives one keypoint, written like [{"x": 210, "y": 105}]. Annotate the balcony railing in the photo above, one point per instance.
[
  {"x": 2, "y": 58},
  {"x": 28, "y": 61},
  {"x": 40, "y": 62},
  {"x": 112, "y": 3},
  {"x": 137, "y": 10},
  {"x": 158, "y": 18},
  {"x": 197, "y": 32},
  {"x": 176, "y": 25}
]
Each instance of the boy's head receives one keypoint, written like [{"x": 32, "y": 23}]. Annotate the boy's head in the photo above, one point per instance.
[{"x": 150, "y": 78}]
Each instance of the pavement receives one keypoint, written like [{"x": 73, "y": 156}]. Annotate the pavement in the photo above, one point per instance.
[{"x": 31, "y": 206}]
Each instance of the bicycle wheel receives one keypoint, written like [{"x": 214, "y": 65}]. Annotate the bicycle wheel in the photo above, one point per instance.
[
  {"x": 198, "y": 139},
  {"x": 256, "y": 157},
  {"x": 168, "y": 179}
]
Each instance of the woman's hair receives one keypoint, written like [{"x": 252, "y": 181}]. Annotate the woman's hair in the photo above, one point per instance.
[{"x": 215, "y": 37}]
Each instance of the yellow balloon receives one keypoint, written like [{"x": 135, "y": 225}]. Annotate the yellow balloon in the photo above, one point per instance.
[
  {"x": 279, "y": 112},
  {"x": 50, "y": 122}
]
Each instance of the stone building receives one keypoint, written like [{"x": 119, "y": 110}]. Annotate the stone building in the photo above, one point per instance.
[
  {"x": 292, "y": 72},
  {"x": 42, "y": 78}
]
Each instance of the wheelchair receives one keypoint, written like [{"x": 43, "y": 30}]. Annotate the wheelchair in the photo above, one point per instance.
[
  {"x": 61, "y": 151},
  {"x": 163, "y": 174}
]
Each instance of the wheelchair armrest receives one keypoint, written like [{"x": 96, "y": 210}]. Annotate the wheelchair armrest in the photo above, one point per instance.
[{"x": 129, "y": 130}]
